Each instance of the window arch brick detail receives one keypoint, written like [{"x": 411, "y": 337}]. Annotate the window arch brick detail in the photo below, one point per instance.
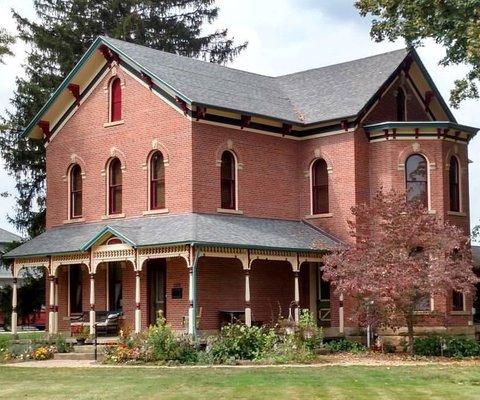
[
  {"x": 229, "y": 145},
  {"x": 415, "y": 148},
  {"x": 319, "y": 154}
]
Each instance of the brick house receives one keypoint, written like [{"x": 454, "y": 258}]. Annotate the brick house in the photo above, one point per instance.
[{"x": 211, "y": 193}]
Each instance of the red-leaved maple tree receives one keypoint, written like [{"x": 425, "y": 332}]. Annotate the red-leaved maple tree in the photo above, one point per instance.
[{"x": 400, "y": 255}]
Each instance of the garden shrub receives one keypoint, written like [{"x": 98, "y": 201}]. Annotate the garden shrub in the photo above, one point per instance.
[
  {"x": 240, "y": 342},
  {"x": 158, "y": 344},
  {"x": 428, "y": 346},
  {"x": 447, "y": 346},
  {"x": 310, "y": 335},
  {"x": 345, "y": 345},
  {"x": 460, "y": 347}
]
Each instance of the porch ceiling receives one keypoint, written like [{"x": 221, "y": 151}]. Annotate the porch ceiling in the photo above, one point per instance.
[{"x": 199, "y": 229}]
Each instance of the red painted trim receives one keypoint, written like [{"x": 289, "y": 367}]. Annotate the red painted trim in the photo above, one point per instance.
[
  {"x": 182, "y": 104},
  {"x": 147, "y": 79},
  {"x": 245, "y": 121},
  {"x": 45, "y": 127},
  {"x": 75, "y": 90}
]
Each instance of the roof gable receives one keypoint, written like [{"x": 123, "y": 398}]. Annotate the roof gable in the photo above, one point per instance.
[{"x": 315, "y": 96}]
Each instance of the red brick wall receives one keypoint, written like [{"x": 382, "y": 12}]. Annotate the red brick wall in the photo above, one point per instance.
[
  {"x": 146, "y": 118},
  {"x": 267, "y": 178}
]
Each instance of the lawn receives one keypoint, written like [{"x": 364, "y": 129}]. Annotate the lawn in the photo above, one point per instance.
[{"x": 330, "y": 382}]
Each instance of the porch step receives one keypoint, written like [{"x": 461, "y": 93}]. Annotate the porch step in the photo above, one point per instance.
[
  {"x": 88, "y": 348},
  {"x": 76, "y": 356}
]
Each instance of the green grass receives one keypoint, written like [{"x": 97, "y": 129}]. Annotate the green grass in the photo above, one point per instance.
[{"x": 334, "y": 382}]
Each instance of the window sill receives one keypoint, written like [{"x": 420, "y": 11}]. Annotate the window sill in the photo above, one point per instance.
[
  {"x": 74, "y": 220},
  {"x": 229, "y": 211},
  {"x": 315, "y": 216},
  {"x": 432, "y": 211},
  {"x": 113, "y": 216},
  {"x": 460, "y": 313},
  {"x": 430, "y": 312},
  {"x": 456, "y": 213},
  {"x": 159, "y": 211},
  {"x": 114, "y": 123}
]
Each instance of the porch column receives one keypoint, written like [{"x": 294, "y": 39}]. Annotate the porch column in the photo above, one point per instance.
[
  {"x": 340, "y": 315},
  {"x": 138, "y": 308},
  {"x": 248, "y": 310},
  {"x": 191, "y": 305},
  {"x": 51, "y": 313},
  {"x": 297, "y": 296},
  {"x": 55, "y": 307},
  {"x": 92, "y": 304},
  {"x": 14, "y": 306}
]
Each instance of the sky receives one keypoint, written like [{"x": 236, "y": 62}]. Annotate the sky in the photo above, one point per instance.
[{"x": 284, "y": 36}]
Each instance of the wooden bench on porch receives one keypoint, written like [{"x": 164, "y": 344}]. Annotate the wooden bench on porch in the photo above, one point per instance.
[{"x": 106, "y": 322}]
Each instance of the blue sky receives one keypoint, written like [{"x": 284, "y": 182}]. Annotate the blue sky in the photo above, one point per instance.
[{"x": 284, "y": 36}]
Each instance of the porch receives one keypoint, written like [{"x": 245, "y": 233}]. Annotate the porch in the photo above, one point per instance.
[{"x": 198, "y": 286}]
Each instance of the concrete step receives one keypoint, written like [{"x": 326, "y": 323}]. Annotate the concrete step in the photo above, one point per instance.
[
  {"x": 74, "y": 356},
  {"x": 87, "y": 348}
]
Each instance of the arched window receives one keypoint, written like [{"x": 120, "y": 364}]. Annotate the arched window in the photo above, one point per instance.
[
  {"x": 228, "y": 175},
  {"x": 115, "y": 187},
  {"x": 115, "y": 100},
  {"x": 454, "y": 177},
  {"x": 401, "y": 105},
  {"x": 157, "y": 181},
  {"x": 416, "y": 176},
  {"x": 320, "y": 187},
  {"x": 76, "y": 192}
]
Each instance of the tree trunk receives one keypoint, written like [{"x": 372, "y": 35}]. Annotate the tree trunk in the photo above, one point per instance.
[{"x": 409, "y": 321}]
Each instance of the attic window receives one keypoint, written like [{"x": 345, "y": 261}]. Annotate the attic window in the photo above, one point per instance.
[{"x": 115, "y": 100}]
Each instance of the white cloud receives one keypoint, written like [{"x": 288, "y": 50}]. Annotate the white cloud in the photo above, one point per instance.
[{"x": 287, "y": 36}]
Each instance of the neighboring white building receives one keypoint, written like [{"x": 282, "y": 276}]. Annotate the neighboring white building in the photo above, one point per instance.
[{"x": 5, "y": 239}]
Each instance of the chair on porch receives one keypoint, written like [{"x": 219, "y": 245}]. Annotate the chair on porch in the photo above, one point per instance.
[{"x": 108, "y": 323}]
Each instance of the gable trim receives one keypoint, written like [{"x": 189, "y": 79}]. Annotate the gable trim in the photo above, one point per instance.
[{"x": 103, "y": 232}]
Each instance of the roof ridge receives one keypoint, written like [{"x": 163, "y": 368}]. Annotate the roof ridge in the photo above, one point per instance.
[
  {"x": 343, "y": 63},
  {"x": 274, "y": 77},
  {"x": 107, "y": 38}
]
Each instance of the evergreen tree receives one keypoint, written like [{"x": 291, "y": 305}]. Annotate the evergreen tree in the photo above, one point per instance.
[
  {"x": 62, "y": 32},
  {"x": 5, "y": 41}
]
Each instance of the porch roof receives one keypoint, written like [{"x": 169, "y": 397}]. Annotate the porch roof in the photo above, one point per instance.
[{"x": 198, "y": 229}]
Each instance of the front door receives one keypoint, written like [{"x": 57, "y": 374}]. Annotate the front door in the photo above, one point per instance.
[
  {"x": 156, "y": 270},
  {"x": 323, "y": 299}
]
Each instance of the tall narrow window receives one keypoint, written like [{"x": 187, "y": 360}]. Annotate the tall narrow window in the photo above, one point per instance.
[
  {"x": 401, "y": 105},
  {"x": 454, "y": 184},
  {"x": 228, "y": 172},
  {"x": 115, "y": 101},
  {"x": 320, "y": 187},
  {"x": 76, "y": 192},
  {"x": 416, "y": 179},
  {"x": 75, "y": 288},
  {"x": 115, "y": 187},
  {"x": 457, "y": 301},
  {"x": 157, "y": 181}
]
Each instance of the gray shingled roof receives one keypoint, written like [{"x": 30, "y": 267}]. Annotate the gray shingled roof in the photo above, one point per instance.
[
  {"x": 205, "y": 229},
  {"x": 8, "y": 237},
  {"x": 316, "y": 95}
]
